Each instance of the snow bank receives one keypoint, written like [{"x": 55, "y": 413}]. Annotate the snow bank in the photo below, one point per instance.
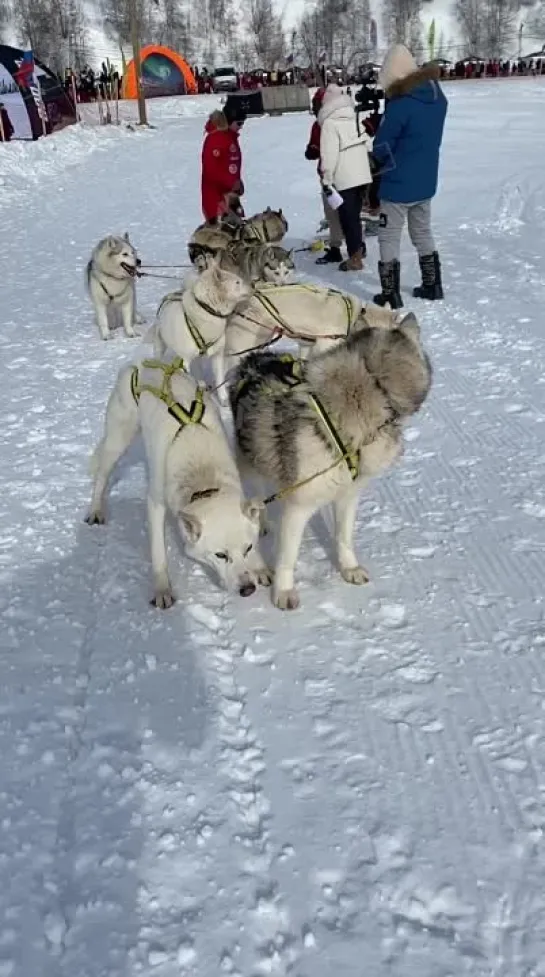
[
  {"x": 23, "y": 165},
  {"x": 160, "y": 110}
]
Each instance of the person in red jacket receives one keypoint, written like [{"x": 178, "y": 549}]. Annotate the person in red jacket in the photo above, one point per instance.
[
  {"x": 221, "y": 181},
  {"x": 333, "y": 252}
]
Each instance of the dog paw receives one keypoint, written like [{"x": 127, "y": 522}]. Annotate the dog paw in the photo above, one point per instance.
[
  {"x": 355, "y": 575},
  {"x": 132, "y": 334},
  {"x": 163, "y": 600},
  {"x": 286, "y": 600},
  {"x": 95, "y": 519},
  {"x": 264, "y": 576}
]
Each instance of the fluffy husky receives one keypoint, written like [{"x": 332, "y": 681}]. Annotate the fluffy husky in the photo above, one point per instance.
[
  {"x": 212, "y": 237},
  {"x": 259, "y": 262},
  {"x": 319, "y": 436},
  {"x": 209, "y": 239},
  {"x": 192, "y": 472},
  {"x": 269, "y": 227},
  {"x": 192, "y": 322},
  {"x": 110, "y": 277}
]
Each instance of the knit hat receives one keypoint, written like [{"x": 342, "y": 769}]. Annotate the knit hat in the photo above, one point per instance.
[
  {"x": 234, "y": 112},
  {"x": 398, "y": 64}
]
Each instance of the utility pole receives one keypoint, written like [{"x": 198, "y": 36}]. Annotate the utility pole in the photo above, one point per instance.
[{"x": 135, "y": 40}]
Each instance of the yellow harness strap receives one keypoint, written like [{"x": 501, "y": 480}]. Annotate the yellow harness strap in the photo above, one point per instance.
[
  {"x": 269, "y": 307},
  {"x": 292, "y": 378},
  {"x": 164, "y": 393},
  {"x": 350, "y": 458},
  {"x": 196, "y": 336},
  {"x": 267, "y": 304}
]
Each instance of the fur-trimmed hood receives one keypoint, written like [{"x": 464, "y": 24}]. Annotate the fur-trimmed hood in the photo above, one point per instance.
[
  {"x": 416, "y": 80},
  {"x": 217, "y": 122}
]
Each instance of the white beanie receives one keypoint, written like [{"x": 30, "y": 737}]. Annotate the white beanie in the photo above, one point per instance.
[{"x": 398, "y": 64}]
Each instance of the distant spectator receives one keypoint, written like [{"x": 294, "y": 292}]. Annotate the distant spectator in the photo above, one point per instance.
[{"x": 6, "y": 130}]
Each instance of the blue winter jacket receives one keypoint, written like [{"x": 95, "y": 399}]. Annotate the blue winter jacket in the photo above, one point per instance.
[{"x": 409, "y": 137}]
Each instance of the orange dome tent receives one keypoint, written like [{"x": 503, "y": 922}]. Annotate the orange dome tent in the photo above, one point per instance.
[{"x": 164, "y": 72}]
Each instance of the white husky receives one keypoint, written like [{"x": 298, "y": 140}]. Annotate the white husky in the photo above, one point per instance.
[
  {"x": 316, "y": 318},
  {"x": 110, "y": 277},
  {"x": 192, "y": 472},
  {"x": 192, "y": 322}
]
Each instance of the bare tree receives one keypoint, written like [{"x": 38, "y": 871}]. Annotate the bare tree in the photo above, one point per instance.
[
  {"x": 488, "y": 27},
  {"x": 535, "y": 26},
  {"x": 5, "y": 13},
  {"x": 265, "y": 32},
  {"x": 470, "y": 16},
  {"x": 500, "y": 27},
  {"x": 337, "y": 31},
  {"x": 54, "y": 29},
  {"x": 401, "y": 21}
]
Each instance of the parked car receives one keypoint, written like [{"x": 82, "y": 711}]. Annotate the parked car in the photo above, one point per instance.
[{"x": 225, "y": 80}]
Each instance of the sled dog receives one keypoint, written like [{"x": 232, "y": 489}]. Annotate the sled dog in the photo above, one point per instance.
[
  {"x": 269, "y": 227},
  {"x": 261, "y": 262},
  {"x": 320, "y": 430},
  {"x": 257, "y": 262},
  {"x": 192, "y": 322},
  {"x": 211, "y": 238},
  {"x": 110, "y": 278},
  {"x": 317, "y": 318},
  {"x": 191, "y": 472}
]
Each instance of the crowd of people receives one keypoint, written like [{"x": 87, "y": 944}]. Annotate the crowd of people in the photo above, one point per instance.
[
  {"x": 390, "y": 162},
  {"x": 475, "y": 68},
  {"x": 106, "y": 83},
  {"x": 90, "y": 84}
]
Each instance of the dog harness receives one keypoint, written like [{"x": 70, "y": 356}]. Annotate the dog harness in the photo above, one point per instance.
[
  {"x": 269, "y": 306},
  {"x": 292, "y": 375},
  {"x": 194, "y": 332},
  {"x": 164, "y": 393}
]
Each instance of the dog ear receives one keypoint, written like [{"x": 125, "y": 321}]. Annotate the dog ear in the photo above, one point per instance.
[
  {"x": 409, "y": 326},
  {"x": 112, "y": 243},
  {"x": 126, "y": 237},
  {"x": 252, "y": 509},
  {"x": 191, "y": 526}
]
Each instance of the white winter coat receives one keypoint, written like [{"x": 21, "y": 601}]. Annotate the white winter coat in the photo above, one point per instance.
[{"x": 344, "y": 155}]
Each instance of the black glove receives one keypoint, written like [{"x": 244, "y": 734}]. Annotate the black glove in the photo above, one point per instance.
[{"x": 311, "y": 152}]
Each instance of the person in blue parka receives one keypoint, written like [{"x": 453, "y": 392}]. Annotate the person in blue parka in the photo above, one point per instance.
[{"x": 406, "y": 148}]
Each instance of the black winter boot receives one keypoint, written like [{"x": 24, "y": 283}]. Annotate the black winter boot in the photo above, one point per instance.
[
  {"x": 431, "y": 287},
  {"x": 390, "y": 274},
  {"x": 332, "y": 256}
]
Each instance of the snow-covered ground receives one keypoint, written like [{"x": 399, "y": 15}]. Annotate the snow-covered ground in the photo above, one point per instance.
[{"x": 355, "y": 788}]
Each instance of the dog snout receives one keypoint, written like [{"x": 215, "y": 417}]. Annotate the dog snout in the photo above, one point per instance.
[
  {"x": 247, "y": 588},
  {"x": 138, "y": 262}
]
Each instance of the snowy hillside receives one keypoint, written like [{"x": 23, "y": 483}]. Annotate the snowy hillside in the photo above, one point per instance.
[
  {"x": 222, "y": 789},
  {"x": 100, "y": 46}
]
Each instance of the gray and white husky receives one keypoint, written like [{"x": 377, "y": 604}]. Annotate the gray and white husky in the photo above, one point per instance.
[
  {"x": 321, "y": 438},
  {"x": 110, "y": 277},
  {"x": 191, "y": 322},
  {"x": 261, "y": 262},
  {"x": 191, "y": 471}
]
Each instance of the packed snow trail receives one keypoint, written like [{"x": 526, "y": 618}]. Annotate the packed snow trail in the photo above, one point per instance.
[{"x": 223, "y": 788}]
